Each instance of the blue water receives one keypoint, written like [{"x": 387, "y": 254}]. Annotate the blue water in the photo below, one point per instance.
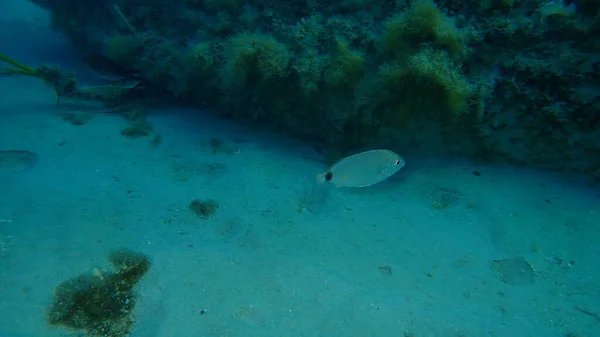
[{"x": 282, "y": 256}]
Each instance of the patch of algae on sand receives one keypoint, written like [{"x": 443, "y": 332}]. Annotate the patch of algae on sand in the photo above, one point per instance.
[
  {"x": 514, "y": 271},
  {"x": 442, "y": 198},
  {"x": 101, "y": 304}
]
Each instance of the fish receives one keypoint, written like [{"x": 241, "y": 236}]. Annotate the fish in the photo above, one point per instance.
[
  {"x": 110, "y": 70},
  {"x": 363, "y": 169}
]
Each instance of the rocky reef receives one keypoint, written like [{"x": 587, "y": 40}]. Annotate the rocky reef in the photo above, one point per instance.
[{"x": 491, "y": 79}]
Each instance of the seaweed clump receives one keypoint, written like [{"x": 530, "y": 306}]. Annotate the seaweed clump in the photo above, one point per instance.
[
  {"x": 139, "y": 126},
  {"x": 424, "y": 52},
  {"x": 424, "y": 21},
  {"x": 204, "y": 208},
  {"x": 101, "y": 304},
  {"x": 63, "y": 82},
  {"x": 255, "y": 56}
]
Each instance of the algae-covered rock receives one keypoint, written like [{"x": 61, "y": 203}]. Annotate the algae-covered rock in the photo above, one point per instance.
[
  {"x": 101, "y": 303},
  {"x": 506, "y": 79}
]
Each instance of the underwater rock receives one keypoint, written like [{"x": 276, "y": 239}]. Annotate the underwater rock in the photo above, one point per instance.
[
  {"x": 101, "y": 304},
  {"x": 473, "y": 76}
]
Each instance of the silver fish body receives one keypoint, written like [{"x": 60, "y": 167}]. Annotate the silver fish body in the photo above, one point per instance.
[{"x": 363, "y": 169}]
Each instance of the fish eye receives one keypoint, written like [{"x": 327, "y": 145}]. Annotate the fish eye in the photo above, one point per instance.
[{"x": 397, "y": 162}]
